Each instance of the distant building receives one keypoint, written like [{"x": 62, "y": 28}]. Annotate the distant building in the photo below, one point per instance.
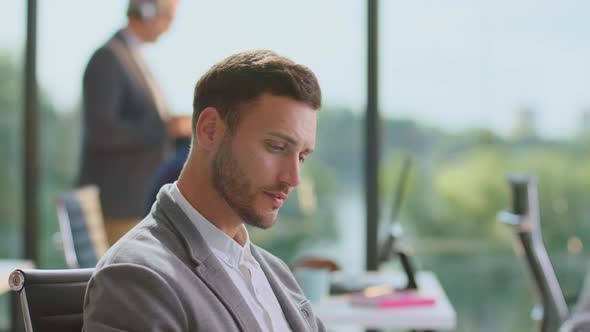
[
  {"x": 526, "y": 124},
  {"x": 584, "y": 127}
]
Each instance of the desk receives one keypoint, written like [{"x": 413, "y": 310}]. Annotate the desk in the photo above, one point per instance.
[{"x": 336, "y": 311}]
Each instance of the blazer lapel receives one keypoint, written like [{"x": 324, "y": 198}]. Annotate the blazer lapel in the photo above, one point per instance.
[
  {"x": 207, "y": 267},
  {"x": 290, "y": 308},
  {"x": 214, "y": 275},
  {"x": 120, "y": 48}
]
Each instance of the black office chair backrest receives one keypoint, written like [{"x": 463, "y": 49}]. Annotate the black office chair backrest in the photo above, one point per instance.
[
  {"x": 51, "y": 300},
  {"x": 525, "y": 220}
]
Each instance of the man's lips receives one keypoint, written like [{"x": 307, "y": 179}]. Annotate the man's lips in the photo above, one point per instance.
[{"x": 278, "y": 198}]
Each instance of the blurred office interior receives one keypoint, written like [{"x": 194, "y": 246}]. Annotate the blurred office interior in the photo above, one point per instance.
[{"x": 466, "y": 90}]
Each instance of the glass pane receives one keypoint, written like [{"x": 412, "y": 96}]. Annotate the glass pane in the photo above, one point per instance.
[
  {"x": 12, "y": 41},
  {"x": 11, "y": 78},
  {"x": 326, "y": 216},
  {"x": 62, "y": 58},
  {"x": 471, "y": 91}
]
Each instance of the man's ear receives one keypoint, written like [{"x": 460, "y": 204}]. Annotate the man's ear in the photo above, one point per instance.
[{"x": 210, "y": 129}]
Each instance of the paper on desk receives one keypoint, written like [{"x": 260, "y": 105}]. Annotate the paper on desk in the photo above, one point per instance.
[{"x": 382, "y": 297}]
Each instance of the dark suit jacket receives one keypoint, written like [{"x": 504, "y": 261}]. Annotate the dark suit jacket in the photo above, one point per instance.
[
  {"x": 168, "y": 172},
  {"x": 124, "y": 138},
  {"x": 162, "y": 276}
]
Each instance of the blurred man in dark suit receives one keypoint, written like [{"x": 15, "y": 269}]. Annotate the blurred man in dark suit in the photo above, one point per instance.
[
  {"x": 168, "y": 171},
  {"x": 127, "y": 124}
]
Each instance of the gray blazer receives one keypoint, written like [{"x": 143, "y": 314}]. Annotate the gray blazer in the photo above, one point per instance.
[
  {"x": 124, "y": 138},
  {"x": 161, "y": 276}
]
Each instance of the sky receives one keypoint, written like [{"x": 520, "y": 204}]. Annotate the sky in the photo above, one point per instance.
[{"x": 455, "y": 64}]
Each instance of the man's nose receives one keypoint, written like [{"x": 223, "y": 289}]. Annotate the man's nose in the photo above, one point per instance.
[{"x": 290, "y": 172}]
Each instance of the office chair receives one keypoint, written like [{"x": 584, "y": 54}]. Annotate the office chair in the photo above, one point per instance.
[
  {"x": 524, "y": 218},
  {"x": 580, "y": 319},
  {"x": 51, "y": 300},
  {"x": 578, "y": 322},
  {"x": 81, "y": 226}
]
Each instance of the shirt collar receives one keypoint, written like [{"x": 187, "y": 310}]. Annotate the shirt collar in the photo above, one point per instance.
[
  {"x": 131, "y": 39},
  {"x": 224, "y": 247}
]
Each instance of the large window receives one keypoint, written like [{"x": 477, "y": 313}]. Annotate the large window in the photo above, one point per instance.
[
  {"x": 68, "y": 33},
  {"x": 473, "y": 90},
  {"x": 328, "y": 36},
  {"x": 11, "y": 104}
]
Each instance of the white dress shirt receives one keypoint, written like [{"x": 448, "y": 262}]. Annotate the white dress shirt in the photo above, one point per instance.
[{"x": 241, "y": 266}]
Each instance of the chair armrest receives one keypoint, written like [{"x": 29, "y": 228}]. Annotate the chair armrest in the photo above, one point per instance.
[{"x": 575, "y": 322}]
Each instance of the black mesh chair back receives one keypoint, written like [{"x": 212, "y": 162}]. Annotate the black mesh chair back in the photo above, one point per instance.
[{"x": 51, "y": 300}]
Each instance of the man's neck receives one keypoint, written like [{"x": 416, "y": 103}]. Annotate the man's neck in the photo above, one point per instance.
[{"x": 134, "y": 31}]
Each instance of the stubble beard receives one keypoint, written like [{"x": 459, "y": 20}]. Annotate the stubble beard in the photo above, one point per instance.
[{"x": 231, "y": 182}]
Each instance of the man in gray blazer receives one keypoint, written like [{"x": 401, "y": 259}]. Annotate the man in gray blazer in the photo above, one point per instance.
[
  {"x": 125, "y": 134},
  {"x": 190, "y": 265}
]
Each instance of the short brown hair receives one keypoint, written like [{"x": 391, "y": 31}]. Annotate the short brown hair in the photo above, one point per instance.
[{"x": 245, "y": 76}]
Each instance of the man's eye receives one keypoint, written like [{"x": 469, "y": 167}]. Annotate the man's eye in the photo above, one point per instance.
[
  {"x": 276, "y": 148},
  {"x": 302, "y": 159}
]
